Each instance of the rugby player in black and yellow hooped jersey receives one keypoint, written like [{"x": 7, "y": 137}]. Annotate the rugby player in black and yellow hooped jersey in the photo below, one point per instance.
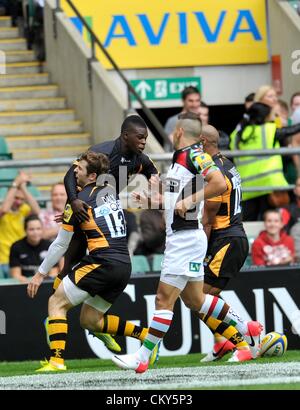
[
  {"x": 101, "y": 276},
  {"x": 126, "y": 157},
  {"x": 227, "y": 241},
  {"x": 126, "y": 152}
]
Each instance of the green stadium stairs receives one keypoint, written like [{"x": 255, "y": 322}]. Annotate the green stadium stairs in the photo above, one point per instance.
[
  {"x": 140, "y": 264},
  {"x": 34, "y": 118},
  {"x": 143, "y": 264}
]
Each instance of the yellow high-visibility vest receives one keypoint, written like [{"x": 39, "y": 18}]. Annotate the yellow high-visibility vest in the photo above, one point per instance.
[{"x": 261, "y": 170}]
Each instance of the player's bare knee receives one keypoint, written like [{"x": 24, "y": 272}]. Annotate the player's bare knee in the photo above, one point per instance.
[
  {"x": 195, "y": 303},
  {"x": 57, "y": 306},
  {"x": 53, "y": 306},
  {"x": 85, "y": 322},
  {"x": 162, "y": 302},
  {"x": 188, "y": 303},
  {"x": 89, "y": 318}
]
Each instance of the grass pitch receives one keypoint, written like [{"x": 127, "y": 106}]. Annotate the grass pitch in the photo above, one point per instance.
[{"x": 179, "y": 372}]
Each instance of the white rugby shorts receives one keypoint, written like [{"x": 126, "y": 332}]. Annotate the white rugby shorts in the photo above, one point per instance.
[{"x": 183, "y": 258}]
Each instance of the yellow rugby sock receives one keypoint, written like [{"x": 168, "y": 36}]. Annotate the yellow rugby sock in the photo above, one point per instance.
[
  {"x": 225, "y": 330},
  {"x": 57, "y": 331},
  {"x": 116, "y": 326}
]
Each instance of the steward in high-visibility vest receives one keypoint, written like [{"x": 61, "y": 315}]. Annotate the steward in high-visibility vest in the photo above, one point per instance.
[{"x": 258, "y": 171}]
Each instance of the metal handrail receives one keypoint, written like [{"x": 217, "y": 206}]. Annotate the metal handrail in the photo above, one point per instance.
[
  {"x": 238, "y": 153},
  {"x": 33, "y": 163},
  {"x": 94, "y": 39}
]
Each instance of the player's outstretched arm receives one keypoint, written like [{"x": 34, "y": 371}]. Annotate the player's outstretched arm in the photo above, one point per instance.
[{"x": 56, "y": 250}]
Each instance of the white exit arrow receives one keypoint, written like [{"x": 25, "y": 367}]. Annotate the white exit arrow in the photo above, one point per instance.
[{"x": 142, "y": 88}]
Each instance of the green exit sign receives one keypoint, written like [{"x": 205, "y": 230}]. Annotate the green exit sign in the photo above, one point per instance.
[{"x": 160, "y": 89}]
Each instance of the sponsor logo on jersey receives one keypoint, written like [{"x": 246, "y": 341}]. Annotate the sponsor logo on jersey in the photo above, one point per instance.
[
  {"x": 172, "y": 185},
  {"x": 102, "y": 211},
  {"x": 68, "y": 213},
  {"x": 125, "y": 161}
]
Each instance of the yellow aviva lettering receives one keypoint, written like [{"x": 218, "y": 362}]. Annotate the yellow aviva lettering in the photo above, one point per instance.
[{"x": 243, "y": 23}]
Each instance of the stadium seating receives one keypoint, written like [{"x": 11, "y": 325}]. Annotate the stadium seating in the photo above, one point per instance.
[
  {"x": 156, "y": 262},
  {"x": 9, "y": 281},
  {"x": 4, "y": 153},
  {"x": 140, "y": 264},
  {"x": 32, "y": 189},
  {"x": 3, "y": 146},
  {"x": 252, "y": 230},
  {"x": 7, "y": 176}
]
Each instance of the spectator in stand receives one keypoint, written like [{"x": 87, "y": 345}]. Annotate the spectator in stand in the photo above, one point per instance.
[
  {"x": 289, "y": 162},
  {"x": 266, "y": 94},
  {"x": 295, "y": 101},
  {"x": 153, "y": 233},
  {"x": 17, "y": 204},
  {"x": 259, "y": 132},
  {"x": 27, "y": 254},
  {"x": 249, "y": 100},
  {"x": 273, "y": 246},
  {"x": 294, "y": 223},
  {"x": 203, "y": 112},
  {"x": 295, "y": 141},
  {"x": 282, "y": 108},
  {"x": 47, "y": 216},
  {"x": 295, "y": 118},
  {"x": 191, "y": 99}
]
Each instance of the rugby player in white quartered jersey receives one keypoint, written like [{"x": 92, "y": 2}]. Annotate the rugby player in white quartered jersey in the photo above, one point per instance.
[{"x": 182, "y": 271}]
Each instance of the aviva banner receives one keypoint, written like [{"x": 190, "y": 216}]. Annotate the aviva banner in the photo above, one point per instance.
[{"x": 176, "y": 33}]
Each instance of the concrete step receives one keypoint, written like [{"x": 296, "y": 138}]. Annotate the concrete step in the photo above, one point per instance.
[
  {"x": 5, "y": 21},
  {"x": 13, "y": 44},
  {"x": 33, "y": 104},
  {"x": 42, "y": 141},
  {"x": 19, "y": 56},
  {"x": 29, "y": 67},
  {"x": 44, "y": 179},
  {"x": 11, "y": 80},
  {"x": 45, "y": 190},
  {"x": 50, "y": 152},
  {"x": 49, "y": 170},
  {"x": 9, "y": 32},
  {"x": 40, "y": 128},
  {"x": 23, "y": 117},
  {"x": 25, "y": 92}
]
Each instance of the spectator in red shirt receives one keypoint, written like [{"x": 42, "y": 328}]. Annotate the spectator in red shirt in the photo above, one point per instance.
[{"x": 273, "y": 246}]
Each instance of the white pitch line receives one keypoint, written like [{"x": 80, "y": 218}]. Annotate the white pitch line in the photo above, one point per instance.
[{"x": 161, "y": 379}]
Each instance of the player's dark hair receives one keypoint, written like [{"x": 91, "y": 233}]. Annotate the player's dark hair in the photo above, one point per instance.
[
  {"x": 203, "y": 104},
  {"x": 97, "y": 163},
  {"x": 188, "y": 91},
  {"x": 250, "y": 97},
  {"x": 30, "y": 218},
  {"x": 256, "y": 115},
  {"x": 189, "y": 116},
  {"x": 132, "y": 121}
]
